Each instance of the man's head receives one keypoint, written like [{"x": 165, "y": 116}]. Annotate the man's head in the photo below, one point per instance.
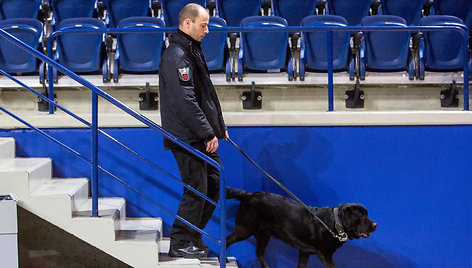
[{"x": 193, "y": 20}]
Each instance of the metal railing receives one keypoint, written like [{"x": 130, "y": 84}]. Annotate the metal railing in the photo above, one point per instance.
[{"x": 98, "y": 92}]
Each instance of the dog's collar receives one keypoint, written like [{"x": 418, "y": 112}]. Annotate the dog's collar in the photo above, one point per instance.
[{"x": 342, "y": 236}]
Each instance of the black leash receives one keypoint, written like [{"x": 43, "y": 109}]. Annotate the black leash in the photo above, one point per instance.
[{"x": 341, "y": 236}]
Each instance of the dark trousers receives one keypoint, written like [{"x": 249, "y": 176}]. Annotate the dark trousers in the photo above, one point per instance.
[{"x": 203, "y": 178}]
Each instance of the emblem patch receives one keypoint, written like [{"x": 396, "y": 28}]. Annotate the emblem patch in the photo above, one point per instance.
[{"x": 184, "y": 74}]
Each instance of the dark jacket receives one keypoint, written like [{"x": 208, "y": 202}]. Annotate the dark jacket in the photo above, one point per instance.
[{"x": 189, "y": 108}]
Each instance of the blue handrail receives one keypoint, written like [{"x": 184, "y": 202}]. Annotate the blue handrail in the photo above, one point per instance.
[
  {"x": 94, "y": 162},
  {"x": 464, "y": 31}
]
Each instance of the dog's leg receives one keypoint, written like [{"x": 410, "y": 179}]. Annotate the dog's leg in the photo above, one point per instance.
[
  {"x": 239, "y": 234},
  {"x": 326, "y": 260},
  {"x": 303, "y": 259},
  {"x": 262, "y": 241}
]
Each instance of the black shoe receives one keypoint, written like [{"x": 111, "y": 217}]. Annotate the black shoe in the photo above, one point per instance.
[
  {"x": 189, "y": 252},
  {"x": 199, "y": 244}
]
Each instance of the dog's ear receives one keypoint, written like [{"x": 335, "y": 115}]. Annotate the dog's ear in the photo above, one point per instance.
[{"x": 345, "y": 211}]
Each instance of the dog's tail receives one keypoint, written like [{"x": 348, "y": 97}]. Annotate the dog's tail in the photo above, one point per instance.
[{"x": 237, "y": 194}]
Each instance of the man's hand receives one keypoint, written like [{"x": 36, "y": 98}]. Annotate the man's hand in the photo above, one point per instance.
[
  {"x": 212, "y": 145},
  {"x": 226, "y": 135}
]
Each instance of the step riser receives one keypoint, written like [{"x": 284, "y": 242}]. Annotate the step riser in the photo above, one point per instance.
[
  {"x": 40, "y": 175},
  {"x": 7, "y": 148},
  {"x": 79, "y": 199}
]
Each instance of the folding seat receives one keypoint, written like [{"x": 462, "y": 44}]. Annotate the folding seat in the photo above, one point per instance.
[
  {"x": 386, "y": 51},
  {"x": 313, "y": 52},
  {"x": 410, "y": 10},
  {"x": 171, "y": 9},
  {"x": 13, "y": 59},
  {"x": 233, "y": 11},
  {"x": 459, "y": 8},
  {"x": 12, "y": 9},
  {"x": 121, "y": 9},
  {"x": 138, "y": 52},
  {"x": 264, "y": 51},
  {"x": 352, "y": 11},
  {"x": 441, "y": 50},
  {"x": 65, "y": 9},
  {"x": 215, "y": 48},
  {"x": 294, "y": 11},
  {"x": 82, "y": 53}
]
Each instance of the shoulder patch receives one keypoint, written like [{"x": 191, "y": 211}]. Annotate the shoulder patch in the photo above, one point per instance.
[{"x": 184, "y": 73}]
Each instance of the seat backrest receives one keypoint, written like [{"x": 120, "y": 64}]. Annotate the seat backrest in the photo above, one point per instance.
[
  {"x": 80, "y": 52},
  {"x": 121, "y": 9},
  {"x": 458, "y": 8},
  {"x": 315, "y": 43},
  {"x": 264, "y": 50},
  {"x": 233, "y": 11},
  {"x": 140, "y": 52},
  {"x": 294, "y": 11},
  {"x": 65, "y": 9},
  {"x": 12, "y": 58},
  {"x": 11, "y": 9},
  {"x": 410, "y": 10},
  {"x": 352, "y": 11},
  {"x": 444, "y": 50},
  {"x": 386, "y": 50},
  {"x": 171, "y": 9},
  {"x": 214, "y": 44}
]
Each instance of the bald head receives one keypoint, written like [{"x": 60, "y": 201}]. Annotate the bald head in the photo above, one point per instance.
[{"x": 193, "y": 20}]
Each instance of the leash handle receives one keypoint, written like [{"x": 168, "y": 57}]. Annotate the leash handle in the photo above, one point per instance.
[{"x": 342, "y": 237}]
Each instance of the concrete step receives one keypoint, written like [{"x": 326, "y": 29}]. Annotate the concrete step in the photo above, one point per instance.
[
  {"x": 140, "y": 230},
  {"x": 29, "y": 172},
  {"x": 212, "y": 262},
  {"x": 7, "y": 148},
  {"x": 77, "y": 189}
]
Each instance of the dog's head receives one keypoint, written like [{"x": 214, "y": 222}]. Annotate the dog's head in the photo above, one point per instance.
[{"x": 355, "y": 221}]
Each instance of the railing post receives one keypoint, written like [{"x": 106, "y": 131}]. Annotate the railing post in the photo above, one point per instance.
[
  {"x": 94, "y": 154},
  {"x": 330, "y": 71},
  {"x": 222, "y": 218},
  {"x": 50, "y": 76},
  {"x": 466, "y": 71}
]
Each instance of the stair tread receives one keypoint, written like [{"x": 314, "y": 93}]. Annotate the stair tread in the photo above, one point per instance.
[
  {"x": 141, "y": 224},
  {"x": 107, "y": 207},
  {"x": 60, "y": 186},
  {"x": 138, "y": 235},
  {"x": 166, "y": 260},
  {"x": 7, "y": 147},
  {"x": 21, "y": 164}
]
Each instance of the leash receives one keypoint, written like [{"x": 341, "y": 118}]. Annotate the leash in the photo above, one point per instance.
[{"x": 341, "y": 236}]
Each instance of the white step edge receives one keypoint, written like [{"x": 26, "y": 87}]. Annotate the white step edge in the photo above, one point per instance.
[
  {"x": 212, "y": 262},
  {"x": 39, "y": 169},
  {"x": 77, "y": 189},
  {"x": 108, "y": 207},
  {"x": 140, "y": 230},
  {"x": 7, "y": 148}
]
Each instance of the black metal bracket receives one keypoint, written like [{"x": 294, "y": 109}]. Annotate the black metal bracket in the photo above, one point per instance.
[
  {"x": 252, "y": 100},
  {"x": 355, "y": 98},
  {"x": 233, "y": 56},
  {"x": 294, "y": 42},
  {"x": 43, "y": 106},
  {"x": 148, "y": 100},
  {"x": 450, "y": 96}
]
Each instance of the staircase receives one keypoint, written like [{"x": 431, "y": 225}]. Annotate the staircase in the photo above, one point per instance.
[{"x": 65, "y": 203}]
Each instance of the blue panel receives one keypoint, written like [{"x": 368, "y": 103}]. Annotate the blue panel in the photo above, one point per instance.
[{"x": 416, "y": 183}]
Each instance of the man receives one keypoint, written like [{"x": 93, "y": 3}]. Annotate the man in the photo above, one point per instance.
[{"x": 191, "y": 111}]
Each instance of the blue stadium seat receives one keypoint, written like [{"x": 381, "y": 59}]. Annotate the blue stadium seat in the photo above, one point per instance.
[
  {"x": 313, "y": 52},
  {"x": 352, "y": 11},
  {"x": 171, "y": 9},
  {"x": 386, "y": 51},
  {"x": 441, "y": 51},
  {"x": 13, "y": 59},
  {"x": 65, "y": 9},
  {"x": 121, "y": 9},
  {"x": 459, "y": 8},
  {"x": 233, "y": 11},
  {"x": 410, "y": 10},
  {"x": 294, "y": 11},
  {"x": 138, "y": 52},
  {"x": 82, "y": 53},
  {"x": 262, "y": 51},
  {"x": 215, "y": 48},
  {"x": 12, "y": 9}
]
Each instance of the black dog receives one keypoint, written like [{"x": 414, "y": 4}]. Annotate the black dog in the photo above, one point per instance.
[{"x": 265, "y": 215}]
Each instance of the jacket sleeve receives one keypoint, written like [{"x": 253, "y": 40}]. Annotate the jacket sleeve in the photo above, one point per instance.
[{"x": 180, "y": 85}]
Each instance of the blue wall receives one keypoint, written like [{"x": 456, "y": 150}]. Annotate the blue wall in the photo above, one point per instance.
[{"x": 416, "y": 183}]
